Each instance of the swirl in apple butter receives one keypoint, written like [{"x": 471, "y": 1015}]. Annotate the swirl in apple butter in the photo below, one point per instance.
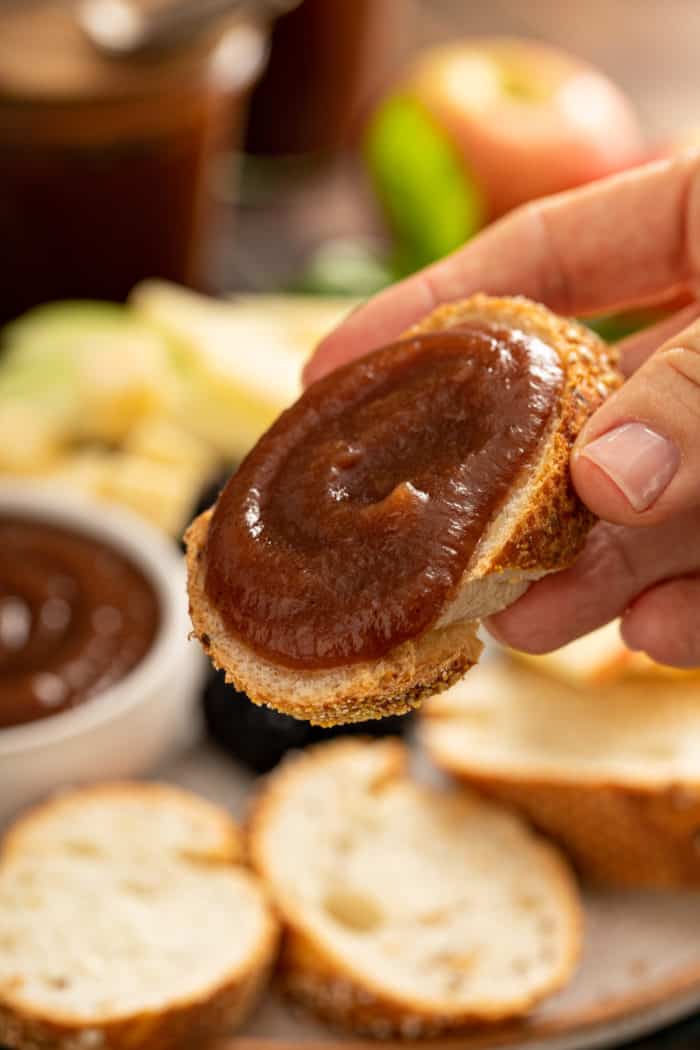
[
  {"x": 348, "y": 527},
  {"x": 75, "y": 617}
]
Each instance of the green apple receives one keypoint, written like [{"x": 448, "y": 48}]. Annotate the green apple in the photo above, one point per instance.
[
  {"x": 431, "y": 203},
  {"x": 93, "y": 367}
]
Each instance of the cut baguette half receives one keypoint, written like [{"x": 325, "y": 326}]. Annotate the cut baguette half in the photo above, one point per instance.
[
  {"x": 127, "y": 921},
  {"x": 541, "y": 528},
  {"x": 611, "y": 772},
  {"x": 408, "y": 911}
]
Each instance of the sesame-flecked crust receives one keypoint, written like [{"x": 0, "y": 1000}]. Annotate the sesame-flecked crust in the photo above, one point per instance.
[
  {"x": 616, "y": 834},
  {"x": 182, "y": 1023},
  {"x": 548, "y": 534},
  {"x": 328, "y": 985},
  {"x": 230, "y": 847},
  {"x": 551, "y": 533}
]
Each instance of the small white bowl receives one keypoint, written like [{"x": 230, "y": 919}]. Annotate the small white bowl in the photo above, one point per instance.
[{"x": 145, "y": 716}]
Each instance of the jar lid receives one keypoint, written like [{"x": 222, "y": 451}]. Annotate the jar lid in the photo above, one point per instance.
[{"x": 44, "y": 55}]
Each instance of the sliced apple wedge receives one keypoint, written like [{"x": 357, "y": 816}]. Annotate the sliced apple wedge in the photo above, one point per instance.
[{"x": 241, "y": 360}]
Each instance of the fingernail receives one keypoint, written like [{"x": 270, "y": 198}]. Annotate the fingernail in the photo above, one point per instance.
[{"x": 637, "y": 459}]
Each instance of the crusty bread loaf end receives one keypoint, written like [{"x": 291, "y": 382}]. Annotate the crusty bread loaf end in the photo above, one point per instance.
[
  {"x": 609, "y": 771},
  {"x": 541, "y": 528}
]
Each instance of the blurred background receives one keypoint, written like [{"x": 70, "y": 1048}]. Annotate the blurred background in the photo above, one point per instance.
[
  {"x": 192, "y": 193},
  {"x": 267, "y": 120},
  {"x": 325, "y": 148}
]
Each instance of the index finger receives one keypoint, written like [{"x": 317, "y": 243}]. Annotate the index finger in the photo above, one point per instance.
[{"x": 624, "y": 240}]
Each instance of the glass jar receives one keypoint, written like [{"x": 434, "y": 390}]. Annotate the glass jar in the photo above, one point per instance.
[
  {"x": 328, "y": 60},
  {"x": 104, "y": 164}
]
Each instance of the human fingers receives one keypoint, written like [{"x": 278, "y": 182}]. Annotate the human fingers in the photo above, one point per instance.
[
  {"x": 664, "y": 622},
  {"x": 637, "y": 460},
  {"x": 623, "y": 240},
  {"x": 616, "y": 566}
]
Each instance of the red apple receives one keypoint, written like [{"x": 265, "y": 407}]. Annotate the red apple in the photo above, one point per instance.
[{"x": 526, "y": 118}]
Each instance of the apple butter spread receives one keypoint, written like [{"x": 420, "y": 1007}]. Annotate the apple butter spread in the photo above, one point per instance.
[
  {"x": 348, "y": 527},
  {"x": 75, "y": 616}
]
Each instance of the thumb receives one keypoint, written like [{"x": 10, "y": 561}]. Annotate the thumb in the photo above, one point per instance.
[{"x": 637, "y": 460}]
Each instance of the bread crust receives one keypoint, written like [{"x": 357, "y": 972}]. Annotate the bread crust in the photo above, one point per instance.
[
  {"x": 555, "y": 524},
  {"x": 230, "y": 847},
  {"x": 639, "y": 829},
  {"x": 548, "y": 533},
  {"x": 615, "y": 834},
  {"x": 328, "y": 984},
  {"x": 182, "y": 1022}
]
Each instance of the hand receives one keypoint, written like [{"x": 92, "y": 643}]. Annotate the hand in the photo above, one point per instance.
[{"x": 627, "y": 240}]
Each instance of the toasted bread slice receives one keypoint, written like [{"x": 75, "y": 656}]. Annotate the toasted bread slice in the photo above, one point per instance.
[
  {"x": 611, "y": 771},
  {"x": 541, "y": 528},
  {"x": 127, "y": 920},
  {"x": 408, "y": 911}
]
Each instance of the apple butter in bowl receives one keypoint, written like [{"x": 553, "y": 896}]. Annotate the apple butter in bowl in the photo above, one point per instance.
[
  {"x": 98, "y": 679},
  {"x": 76, "y": 616}
]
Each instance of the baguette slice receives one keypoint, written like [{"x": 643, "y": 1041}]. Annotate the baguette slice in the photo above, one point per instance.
[
  {"x": 540, "y": 529},
  {"x": 408, "y": 911},
  {"x": 612, "y": 772},
  {"x": 127, "y": 921}
]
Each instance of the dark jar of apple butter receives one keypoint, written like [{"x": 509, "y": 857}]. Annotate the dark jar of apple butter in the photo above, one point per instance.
[
  {"x": 329, "y": 59},
  {"x": 105, "y": 163}
]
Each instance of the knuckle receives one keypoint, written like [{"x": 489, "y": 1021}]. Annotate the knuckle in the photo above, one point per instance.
[
  {"x": 670, "y": 642},
  {"x": 688, "y": 648},
  {"x": 512, "y": 628},
  {"x": 681, "y": 621},
  {"x": 608, "y": 560},
  {"x": 554, "y": 279},
  {"x": 681, "y": 363},
  {"x": 684, "y": 360},
  {"x": 674, "y": 375}
]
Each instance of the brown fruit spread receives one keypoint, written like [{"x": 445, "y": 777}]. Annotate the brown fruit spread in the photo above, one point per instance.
[
  {"x": 348, "y": 527},
  {"x": 75, "y": 616}
]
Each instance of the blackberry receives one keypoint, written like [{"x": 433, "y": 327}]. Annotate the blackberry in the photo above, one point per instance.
[{"x": 259, "y": 737}]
